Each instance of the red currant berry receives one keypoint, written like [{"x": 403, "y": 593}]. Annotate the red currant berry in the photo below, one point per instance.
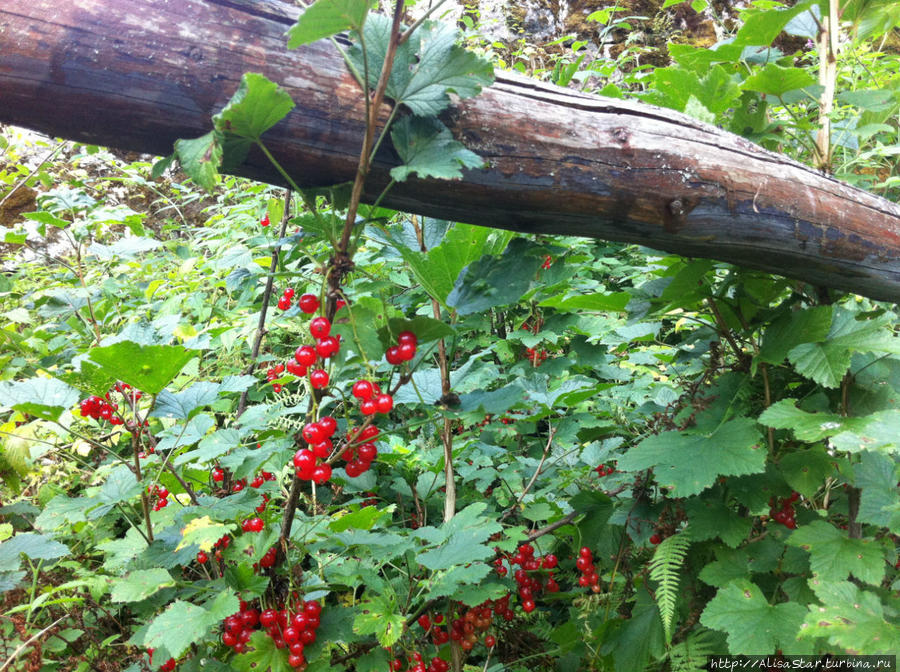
[
  {"x": 312, "y": 433},
  {"x": 304, "y": 460},
  {"x": 328, "y": 346},
  {"x": 528, "y": 606},
  {"x": 367, "y": 452},
  {"x": 385, "y": 403},
  {"x": 320, "y": 327},
  {"x": 368, "y": 407},
  {"x": 202, "y": 557},
  {"x": 295, "y": 369},
  {"x": 284, "y": 303},
  {"x": 328, "y": 425},
  {"x": 362, "y": 389},
  {"x": 265, "y": 220},
  {"x": 319, "y": 378},
  {"x": 218, "y": 475},
  {"x": 393, "y": 355},
  {"x": 323, "y": 449},
  {"x": 306, "y": 355},
  {"x": 655, "y": 539},
  {"x": 308, "y": 303},
  {"x": 490, "y": 641},
  {"x": 406, "y": 351},
  {"x": 407, "y": 337}
]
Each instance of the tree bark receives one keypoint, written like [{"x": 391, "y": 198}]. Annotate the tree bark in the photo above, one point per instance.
[{"x": 138, "y": 75}]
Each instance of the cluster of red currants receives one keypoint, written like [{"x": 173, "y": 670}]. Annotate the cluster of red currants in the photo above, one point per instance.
[
  {"x": 371, "y": 399},
  {"x": 99, "y": 409},
  {"x": 548, "y": 261},
  {"x": 318, "y": 436},
  {"x": 404, "y": 350},
  {"x": 268, "y": 559},
  {"x": 473, "y": 623},
  {"x": 530, "y": 582},
  {"x": 585, "y": 564},
  {"x": 604, "y": 470},
  {"x": 104, "y": 408},
  {"x": 254, "y": 524},
  {"x": 361, "y": 450},
  {"x": 287, "y": 299},
  {"x": 161, "y": 494},
  {"x": 220, "y": 546},
  {"x": 784, "y": 512},
  {"x": 417, "y": 664},
  {"x": 289, "y": 628}
]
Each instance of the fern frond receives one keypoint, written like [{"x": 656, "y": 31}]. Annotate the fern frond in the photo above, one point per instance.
[
  {"x": 664, "y": 568},
  {"x": 691, "y": 654}
]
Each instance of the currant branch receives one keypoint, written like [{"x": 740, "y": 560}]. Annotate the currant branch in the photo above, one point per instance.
[{"x": 267, "y": 296}]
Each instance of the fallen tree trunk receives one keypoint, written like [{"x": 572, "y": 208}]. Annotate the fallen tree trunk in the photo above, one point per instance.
[{"x": 138, "y": 75}]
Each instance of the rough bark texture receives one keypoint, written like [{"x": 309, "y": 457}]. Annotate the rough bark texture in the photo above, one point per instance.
[{"x": 138, "y": 75}]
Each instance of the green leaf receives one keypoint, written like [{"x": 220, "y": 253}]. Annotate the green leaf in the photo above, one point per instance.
[
  {"x": 382, "y": 618},
  {"x": 760, "y": 27},
  {"x": 200, "y": 158},
  {"x": 47, "y": 218},
  {"x": 463, "y": 538},
  {"x": 689, "y": 463},
  {"x": 806, "y": 426},
  {"x": 203, "y": 532},
  {"x": 806, "y": 470},
  {"x": 255, "y": 107},
  {"x": 179, "y": 626},
  {"x": 147, "y": 367},
  {"x": 710, "y": 518},
  {"x": 427, "y": 67},
  {"x": 35, "y": 546},
  {"x": 448, "y": 583},
  {"x": 774, "y": 80},
  {"x": 428, "y": 149},
  {"x": 833, "y": 555},
  {"x": 426, "y": 329},
  {"x": 212, "y": 446},
  {"x": 186, "y": 434},
  {"x": 180, "y": 404},
  {"x": 878, "y": 432},
  {"x": 872, "y": 100},
  {"x": 632, "y": 642},
  {"x": 804, "y": 326},
  {"x": 665, "y": 569},
  {"x": 752, "y": 624},
  {"x": 140, "y": 584},
  {"x": 438, "y": 269},
  {"x": 851, "y": 619},
  {"x": 864, "y": 335},
  {"x": 877, "y": 477},
  {"x": 363, "y": 519},
  {"x": 597, "y": 508},
  {"x": 120, "y": 486},
  {"x": 45, "y": 398},
  {"x": 824, "y": 363},
  {"x": 588, "y": 302},
  {"x": 491, "y": 282},
  {"x": 326, "y": 18},
  {"x": 261, "y": 656}
]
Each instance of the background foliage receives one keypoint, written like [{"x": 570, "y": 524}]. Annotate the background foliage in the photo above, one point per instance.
[{"x": 722, "y": 442}]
